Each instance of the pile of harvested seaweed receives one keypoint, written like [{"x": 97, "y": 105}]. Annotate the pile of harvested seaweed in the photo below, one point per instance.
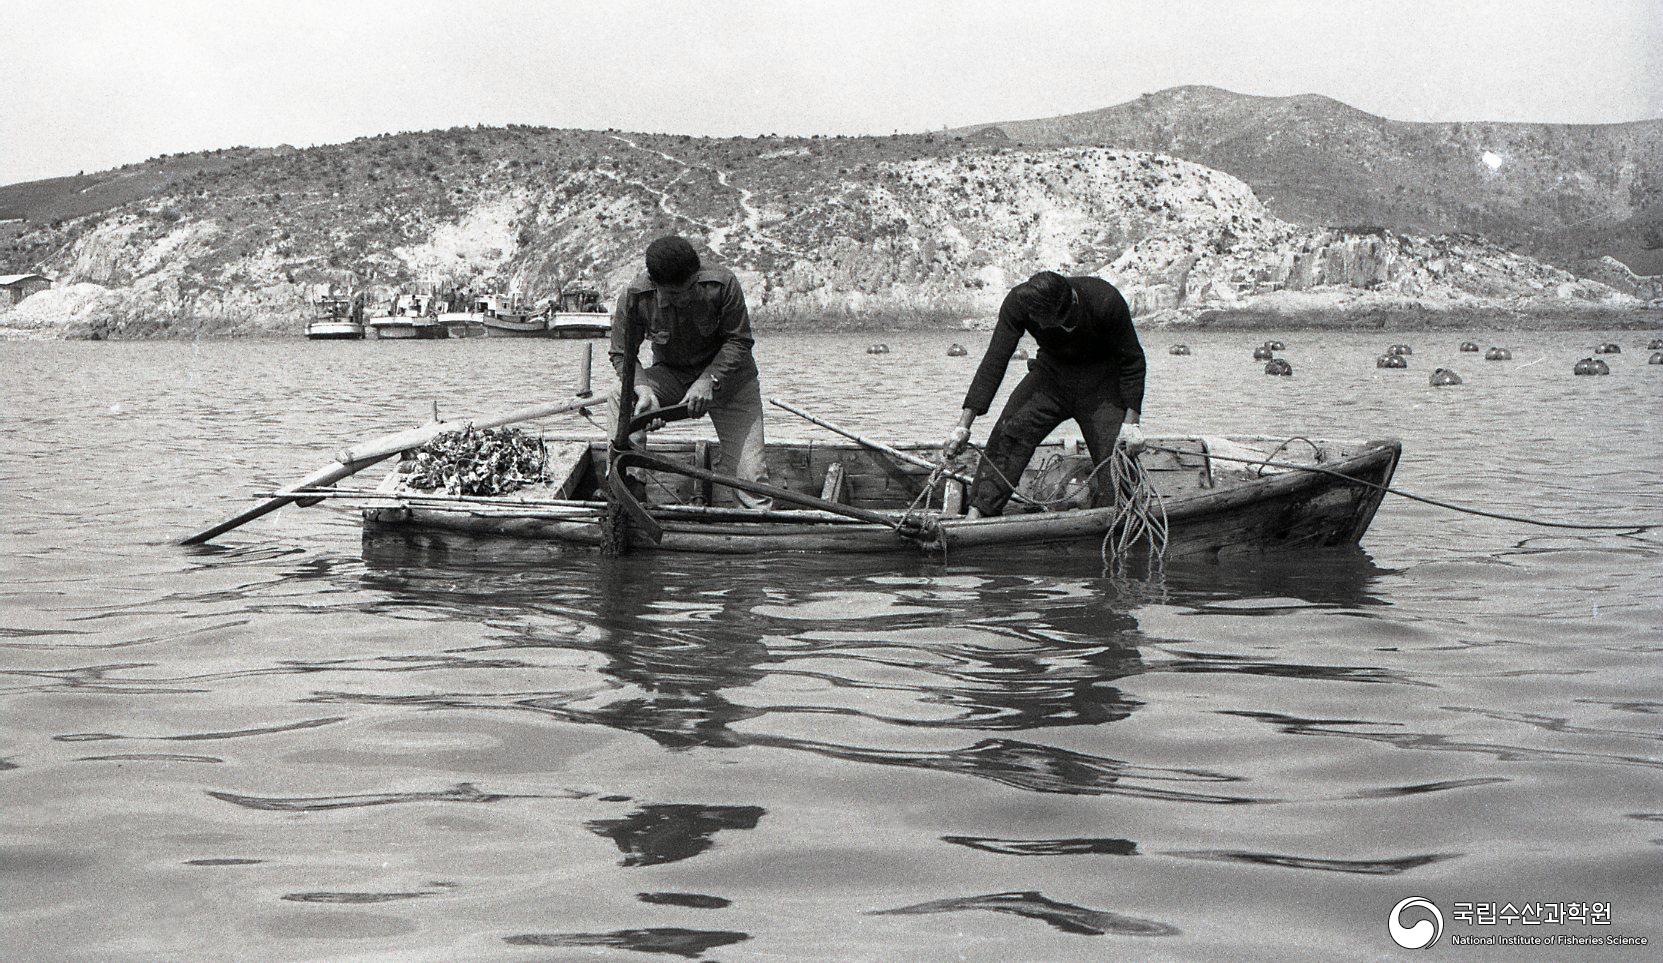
[{"x": 488, "y": 461}]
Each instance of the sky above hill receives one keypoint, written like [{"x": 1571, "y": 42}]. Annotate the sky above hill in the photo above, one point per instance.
[{"x": 96, "y": 83}]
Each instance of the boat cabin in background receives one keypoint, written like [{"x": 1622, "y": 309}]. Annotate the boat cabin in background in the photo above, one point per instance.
[
  {"x": 16, "y": 287},
  {"x": 580, "y": 312},
  {"x": 507, "y": 316},
  {"x": 336, "y": 317},
  {"x": 410, "y": 316}
]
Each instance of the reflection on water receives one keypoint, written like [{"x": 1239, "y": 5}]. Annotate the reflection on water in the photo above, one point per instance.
[
  {"x": 444, "y": 747},
  {"x": 1063, "y": 916},
  {"x": 663, "y": 834}
]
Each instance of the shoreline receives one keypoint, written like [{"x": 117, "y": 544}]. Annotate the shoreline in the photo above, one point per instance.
[{"x": 1355, "y": 317}]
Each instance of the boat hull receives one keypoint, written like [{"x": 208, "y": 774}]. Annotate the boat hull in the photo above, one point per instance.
[
  {"x": 1292, "y": 510},
  {"x": 395, "y": 329},
  {"x": 500, "y": 328},
  {"x": 575, "y": 324},
  {"x": 462, "y": 325},
  {"x": 334, "y": 331}
]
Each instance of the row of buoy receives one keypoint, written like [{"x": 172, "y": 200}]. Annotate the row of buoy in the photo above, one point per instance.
[
  {"x": 1393, "y": 358},
  {"x": 956, "y": 350}
]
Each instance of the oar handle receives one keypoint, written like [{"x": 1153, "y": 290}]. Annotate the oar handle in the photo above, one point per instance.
[
  {"x": 646, "y": 460},
  {"x": 666, "y": 414},
  {"x": 887, "y": 449}
]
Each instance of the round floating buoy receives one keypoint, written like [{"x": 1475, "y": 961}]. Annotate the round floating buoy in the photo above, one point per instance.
[
  {"x": 1400, "y": 349},
  {"x": 1656, "y": 345},
  {"x": 877, "y": 349},
  {"x": 956, "y": 351},
  {"x": 1498, "y": 354},
  {"x": 1262, "y": 353},
  {"x": 1021, "y": 354},
  {"x": 1604, "y": 368},
  {"x": 1444, "y": 376},
  {"x": 1178, "y": 349},
  {"x": 1655, "y": 358},
  {"x": 1469, "y": 346},
  {"x": 1390, "y": 361},
  {"x": 1279, "y": 368},
  {"x": 1276, "y": 346},
  {"x": 1591, "y": 366},
  {"x": 1609, "y": 348}
]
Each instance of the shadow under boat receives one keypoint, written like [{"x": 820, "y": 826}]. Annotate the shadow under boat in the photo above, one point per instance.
[
  {"x": 408, "y": 559},
  {"x": 988, "y": 652}
]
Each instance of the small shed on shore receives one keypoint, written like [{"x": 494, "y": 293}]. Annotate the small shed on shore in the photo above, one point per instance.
[{"x": 16, "y": 287}]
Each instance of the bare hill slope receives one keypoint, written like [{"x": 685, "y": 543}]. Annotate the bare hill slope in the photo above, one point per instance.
[{"x": 1565, "y": 192}]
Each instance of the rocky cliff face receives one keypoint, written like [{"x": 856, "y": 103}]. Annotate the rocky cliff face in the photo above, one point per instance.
[
  {"x": 1564, "y": 192},
  {"x": 873, "y": 230}
]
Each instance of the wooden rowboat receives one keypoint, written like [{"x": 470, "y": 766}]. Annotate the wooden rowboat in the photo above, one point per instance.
[{"x": 1213, "y": 505}]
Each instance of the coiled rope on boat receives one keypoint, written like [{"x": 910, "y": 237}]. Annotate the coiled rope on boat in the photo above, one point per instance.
[
  {"x": 1139, "y": 515},
  {"x": 1139, "y": 511}
]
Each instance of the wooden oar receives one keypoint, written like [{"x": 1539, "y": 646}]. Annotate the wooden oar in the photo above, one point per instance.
[
  {"x": 357, "y": 458},
  {"x": 886, "y": 449},
  {"x": 622, "y": 508},
  {"x": 656, "y": 463},
  {"x": 863, "y": 440}
]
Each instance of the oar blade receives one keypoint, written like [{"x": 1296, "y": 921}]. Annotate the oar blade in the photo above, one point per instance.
[{"x": 625, "y": 499}]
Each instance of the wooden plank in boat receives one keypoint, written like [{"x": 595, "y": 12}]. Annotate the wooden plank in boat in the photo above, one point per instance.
[{"x": 568, "y": 467}]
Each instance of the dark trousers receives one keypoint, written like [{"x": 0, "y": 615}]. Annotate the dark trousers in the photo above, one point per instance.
[{"x": 1048, "y": 396}]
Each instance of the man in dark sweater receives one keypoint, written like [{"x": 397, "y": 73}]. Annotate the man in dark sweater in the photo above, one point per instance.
[
  {"x": 1090, "y": 368},
  {"x": 695, "y": 319}
]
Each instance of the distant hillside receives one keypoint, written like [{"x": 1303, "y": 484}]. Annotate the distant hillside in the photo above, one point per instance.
[
  {"x": 1565, "y": 192},
  {"x": 873, "y": 231}
]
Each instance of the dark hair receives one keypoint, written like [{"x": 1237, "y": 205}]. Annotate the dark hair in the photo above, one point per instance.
[
  {"x": 671, "y": 260},
  {"x": 1045, "y": 297}
]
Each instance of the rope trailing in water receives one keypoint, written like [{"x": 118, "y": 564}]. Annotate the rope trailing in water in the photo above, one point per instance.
[
  {"x": 1464, "y": 509},
  {"x": 1139, "y": 515}
]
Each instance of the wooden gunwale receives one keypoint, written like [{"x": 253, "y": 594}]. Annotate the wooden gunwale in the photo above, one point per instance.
[{"x": 1290, "y": 502}]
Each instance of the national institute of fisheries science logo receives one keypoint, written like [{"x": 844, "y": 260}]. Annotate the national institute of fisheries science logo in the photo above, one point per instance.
[{"x": 1420, "y": 934}]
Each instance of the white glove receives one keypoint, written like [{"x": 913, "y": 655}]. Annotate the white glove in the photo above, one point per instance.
[
  {"x": 1131, "y": 438},
  {"x": 956, "y": 442}
]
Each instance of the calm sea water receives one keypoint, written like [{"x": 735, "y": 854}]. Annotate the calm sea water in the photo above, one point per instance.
[{"x": 302, "y": 745}]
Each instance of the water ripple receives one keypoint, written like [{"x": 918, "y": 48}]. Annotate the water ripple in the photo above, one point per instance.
[{"x": 1067, "y": 917}]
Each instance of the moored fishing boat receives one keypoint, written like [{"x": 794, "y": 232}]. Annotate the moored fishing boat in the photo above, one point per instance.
[
  {"x": 463, "y": 317},
  {"x": 512, "y": 318},
  {"x": 1217, "y": 500},
  {"x": 579, "y": 312},
  {"x": 409, "y": 316},
  {"x": 337, "y": 318}
]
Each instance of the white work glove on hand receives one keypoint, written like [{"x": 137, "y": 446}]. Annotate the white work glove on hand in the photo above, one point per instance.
[
  {"x": 1131, "y": 438},
  {"x": 956, "y": 442}
]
